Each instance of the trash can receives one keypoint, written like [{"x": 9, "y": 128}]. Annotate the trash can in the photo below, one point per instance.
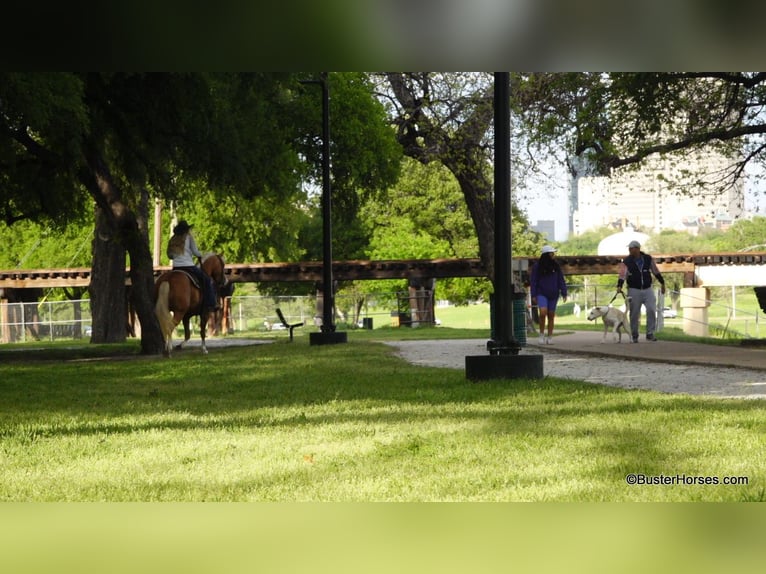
[
  {"x": 367, "y": 323},
  {"x": 520, "y": 318}
]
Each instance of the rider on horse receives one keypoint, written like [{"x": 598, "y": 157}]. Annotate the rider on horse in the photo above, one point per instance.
[{"x": 181, "y": 250}]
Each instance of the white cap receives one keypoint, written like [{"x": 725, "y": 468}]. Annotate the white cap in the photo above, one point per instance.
[{"x": 548, "y": 249}]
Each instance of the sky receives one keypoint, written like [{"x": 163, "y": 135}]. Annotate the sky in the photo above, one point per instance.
[{"x": 545, "y": 197}]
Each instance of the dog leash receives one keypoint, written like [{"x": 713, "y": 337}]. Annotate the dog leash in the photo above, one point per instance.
[{"x": 615, "y": 297}]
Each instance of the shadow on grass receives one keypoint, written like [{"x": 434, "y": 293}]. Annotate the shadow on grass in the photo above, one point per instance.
[{"x": 356, "y": 386}]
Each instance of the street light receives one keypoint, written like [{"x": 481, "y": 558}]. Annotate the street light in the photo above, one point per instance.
[
  {"x": 504, "y": 360},
  {"x": 328, "y": 334}
]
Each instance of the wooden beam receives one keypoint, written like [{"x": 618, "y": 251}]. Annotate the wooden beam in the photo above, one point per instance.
[{"x": 310, "y": 271}]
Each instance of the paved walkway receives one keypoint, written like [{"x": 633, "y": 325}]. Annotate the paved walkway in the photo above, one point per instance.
[
  {"x": 590, "y": 342},
  {"x": 665, "y": 366}
]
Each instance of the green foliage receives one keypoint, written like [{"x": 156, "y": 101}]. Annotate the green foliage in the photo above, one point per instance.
[
  {"x": 263, "y": 229},
  {"x": 41, "y": 120},
  {"x": 671, "y": 241},
  {"x": 28, "y": 245},
  {"x": 423, "y": 216},
  {"x": 743, "y": 234},
  {"x": 586, "y": 243},
  {"x": 365, "y": 160},
  {"x": 429, "y": 197}
]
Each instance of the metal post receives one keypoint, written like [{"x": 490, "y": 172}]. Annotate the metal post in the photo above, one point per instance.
[
  {"x": 328, "y": 335},
  {"x": 504, "y": 360},
  {"x": 504, "y": 342},
  {"x": 328, "y": 317}
]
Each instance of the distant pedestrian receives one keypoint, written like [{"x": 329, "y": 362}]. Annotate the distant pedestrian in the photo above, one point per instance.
[
  {"x": 637, "y": 270},
  {"x": 546, "y": 284}
]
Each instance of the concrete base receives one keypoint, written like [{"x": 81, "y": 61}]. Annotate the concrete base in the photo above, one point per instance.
[
  {"x": 485, "y": 367},
  {"x": 694, "y": 302},
  {"x": 329, "y": 338}
]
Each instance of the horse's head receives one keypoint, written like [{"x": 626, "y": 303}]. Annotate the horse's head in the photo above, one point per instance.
[{"x": 214, "y": 265}]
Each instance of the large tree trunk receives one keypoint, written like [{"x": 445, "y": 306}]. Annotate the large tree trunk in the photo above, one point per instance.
[
  {"x": 479, "y": 199},
  {"x": 107, "y": 284},
  {"x": 142, "y": 279},
  {"x": 123, "y": 227}
]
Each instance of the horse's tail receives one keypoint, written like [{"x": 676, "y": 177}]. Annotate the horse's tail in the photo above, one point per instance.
[{"x": 162, "y": 310}]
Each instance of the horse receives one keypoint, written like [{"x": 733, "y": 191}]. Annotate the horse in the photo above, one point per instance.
[{"x": 174, "y": 292}]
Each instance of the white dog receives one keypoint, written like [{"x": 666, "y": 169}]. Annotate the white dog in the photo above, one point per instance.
[{"x": 613, "y": 318}]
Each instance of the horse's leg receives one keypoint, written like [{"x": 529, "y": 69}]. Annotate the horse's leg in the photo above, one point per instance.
[
  {"x": 202, "y": 324},
  {"x": 162, "y": 312},
  {"x": 226, "y": 318},
  {"x": 187, "y": 332}
]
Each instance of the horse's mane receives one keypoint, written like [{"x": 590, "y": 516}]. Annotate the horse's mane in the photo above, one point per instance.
[{"x": 210, "y": 254}]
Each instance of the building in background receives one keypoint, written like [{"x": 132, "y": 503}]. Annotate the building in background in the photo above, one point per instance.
[
  {"x": 546, "y": 227},
  {"x": 663, "y": 193}
]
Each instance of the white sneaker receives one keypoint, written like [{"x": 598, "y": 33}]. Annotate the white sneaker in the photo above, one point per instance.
[
  {"x": 542, "y": 339},
  {"x": 549, "y": 340}
]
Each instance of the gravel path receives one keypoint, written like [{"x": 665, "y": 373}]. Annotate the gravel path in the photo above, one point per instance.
[
  {"x": 628, "y": 374},
  {"x": 709, "y": 380}
]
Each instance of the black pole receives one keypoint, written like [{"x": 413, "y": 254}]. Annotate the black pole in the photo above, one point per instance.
[
  {"x": 504, "y": 341},
  {"x": 328, "y": 292},
  {"x": 328, "y": 334},
  {"x": 504, "y": 360}
]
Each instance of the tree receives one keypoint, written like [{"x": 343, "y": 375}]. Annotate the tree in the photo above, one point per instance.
[
  {"x": 586, "y": 243},
  {"x": 620, "y": 119},
  {"x": 31, "y": 245},
  {"x": 365, "y": 160},
  {"x": 117, "y": 136},
  {"x": 148, "y": 131},
  {"x": 117, "y": 140},
  {"x": 448, "y": 118},
  {"x": 672, "y": 241},
  {"x": 742, "y": 235}
]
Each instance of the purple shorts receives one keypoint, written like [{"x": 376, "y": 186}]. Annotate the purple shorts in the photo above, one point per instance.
[{"x": 544, "y": 303}]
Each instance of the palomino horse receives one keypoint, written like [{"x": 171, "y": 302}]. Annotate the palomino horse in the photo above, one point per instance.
[{"x": 175, "y": 293}]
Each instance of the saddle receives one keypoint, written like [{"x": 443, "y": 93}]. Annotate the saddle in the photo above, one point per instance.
[{"x": 192, "y": 277}]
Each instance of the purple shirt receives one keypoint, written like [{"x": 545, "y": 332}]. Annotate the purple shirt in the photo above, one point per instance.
[{"x": 549, "y": 285}]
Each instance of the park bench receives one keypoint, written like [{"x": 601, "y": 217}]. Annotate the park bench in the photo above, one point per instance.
[{"x": 287, "y": 325}]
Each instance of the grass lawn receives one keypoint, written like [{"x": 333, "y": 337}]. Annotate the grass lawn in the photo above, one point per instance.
[{"x": 352, "y": 422}]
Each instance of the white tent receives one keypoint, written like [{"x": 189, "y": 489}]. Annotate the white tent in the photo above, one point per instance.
[{"x": 617, "y": 243}]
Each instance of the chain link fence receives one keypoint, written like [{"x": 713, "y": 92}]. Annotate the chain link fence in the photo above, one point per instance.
[
  {"x": 60, "y": 320},
  {"x": 45, "y": 320}
]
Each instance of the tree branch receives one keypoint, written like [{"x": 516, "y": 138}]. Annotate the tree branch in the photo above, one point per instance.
[{"x": 695, "y": 139}]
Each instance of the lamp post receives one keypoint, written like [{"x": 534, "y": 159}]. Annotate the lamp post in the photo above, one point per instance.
[
  {"x": 327, "y": 334},
  {"x": 504, "y": 342},
  {"x": 504, "y": 360}
]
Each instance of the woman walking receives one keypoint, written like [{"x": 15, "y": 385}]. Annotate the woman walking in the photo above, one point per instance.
[{"x": 546, "y": 282}]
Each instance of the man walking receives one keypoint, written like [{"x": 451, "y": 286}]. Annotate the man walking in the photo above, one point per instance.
[{"x": 637, "y": 270}]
